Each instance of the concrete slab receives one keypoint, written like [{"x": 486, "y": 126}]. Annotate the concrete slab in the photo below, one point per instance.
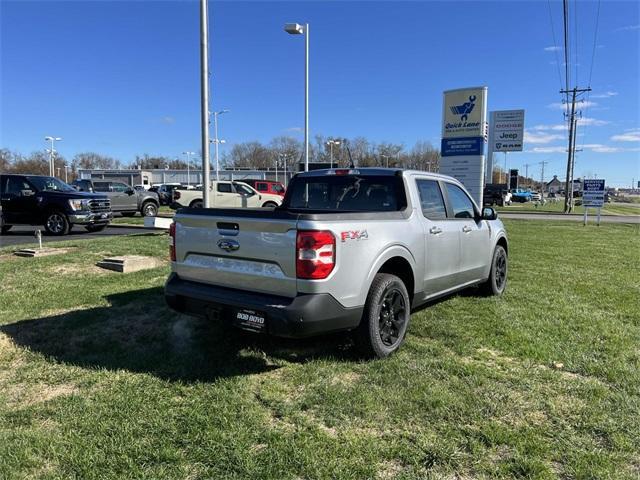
[
  {"x": 158, "y": 222},
  {"x": 130, "y": 263},
  {"x": 39, "y": 252}
]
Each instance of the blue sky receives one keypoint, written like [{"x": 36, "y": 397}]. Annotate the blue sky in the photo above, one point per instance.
[{"x": 122, "y": 77}]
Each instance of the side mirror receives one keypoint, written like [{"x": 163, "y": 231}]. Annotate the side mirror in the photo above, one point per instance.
[
  {"x": 488, "y": 213},
  {"x": 129, "y": 191},
  {"x": 27, "y": 193}
]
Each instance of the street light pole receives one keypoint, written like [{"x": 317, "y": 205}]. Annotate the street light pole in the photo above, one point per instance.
[
  {"x": 188, "y": 154},
  {"x": 331, "y": 143},
  {"x": 204, "y": 100},
  {"x": 216, "y": 141},
  {"x": 52, "y": 152},
  {"x": 297, "y": 29},
  {"x": 66, "y": 173}
]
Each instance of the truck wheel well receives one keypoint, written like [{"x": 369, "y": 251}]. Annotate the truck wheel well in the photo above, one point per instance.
[
  {"x": 503, "y": 243},
  {"x": 401, "y": 268}
]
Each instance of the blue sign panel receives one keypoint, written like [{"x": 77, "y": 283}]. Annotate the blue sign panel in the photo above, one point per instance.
[{"x": 462, "y": 146}]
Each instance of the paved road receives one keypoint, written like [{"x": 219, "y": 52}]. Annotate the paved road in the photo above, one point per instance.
[
  {"x": 24, "y": 235},
  {"x": 635, "y": 219}
]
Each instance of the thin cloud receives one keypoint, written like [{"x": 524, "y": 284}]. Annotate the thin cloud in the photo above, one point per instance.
[
  {"x": 629, "y": 136},
  {"x": 562, "y": 106},
  {"x": 541, "y": 138},
  {"x": 551, "y": 49},
  {"x": 627, "y": 28},
  {"x": 548, "y": 150},
  {"x": 604, "y": 95},
  {"x": 168, "y": 120},
  {"x": 294, "y": 130},
  {"x": 559, "y": 127},
  {"x": 593, "y": 147}
]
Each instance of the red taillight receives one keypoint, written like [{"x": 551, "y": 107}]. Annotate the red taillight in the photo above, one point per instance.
[
  {"x": 315, "y": 254},
  {"x": 172, "y": 241}
]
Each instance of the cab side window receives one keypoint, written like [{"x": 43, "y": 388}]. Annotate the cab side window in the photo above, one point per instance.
[
  {"x": 119, "y": 187},
  {"x": 460, "y": 203},
  {"x": 101, "y": 186},
  {"x": 431, "y": 200},
  {"x": 262, "y": 187},
  {"x": 15, "y": 186},
  {"x": 224, "y": 188}
]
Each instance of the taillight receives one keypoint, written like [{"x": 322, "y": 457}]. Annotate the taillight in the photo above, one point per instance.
[
  {"x": 172, "y": 241},
  {"x": 315, "y": 254}
]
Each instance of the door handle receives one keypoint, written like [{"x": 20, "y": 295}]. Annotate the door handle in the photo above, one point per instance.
[
  {"x": 435, "y": 230},
  {"x": 466, "y": 229}
]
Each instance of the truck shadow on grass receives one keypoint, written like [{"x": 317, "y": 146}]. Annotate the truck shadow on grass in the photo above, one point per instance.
[{"x": 139, "y": 333}]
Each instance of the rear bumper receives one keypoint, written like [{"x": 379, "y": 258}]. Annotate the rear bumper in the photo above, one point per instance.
[
  {"x": 301, "y": 316},
  {"x": 91, "y": 218}
]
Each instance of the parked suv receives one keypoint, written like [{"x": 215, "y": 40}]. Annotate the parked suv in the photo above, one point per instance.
[
  {"x": 265, "y": 186},
  {"x": 47, "y": 201},
  {"x": 124, "y": 199},
  {"x": 225, "y": 194}
]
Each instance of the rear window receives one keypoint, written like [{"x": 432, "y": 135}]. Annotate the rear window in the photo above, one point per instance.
[{"x": 356, "y": 193}]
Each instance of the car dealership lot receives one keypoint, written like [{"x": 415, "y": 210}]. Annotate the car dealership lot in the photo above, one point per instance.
[
  {"x": 25, "y": 235},
  {"x": 98, "y": 379}
]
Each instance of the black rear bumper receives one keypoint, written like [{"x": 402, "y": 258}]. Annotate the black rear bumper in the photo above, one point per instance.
[{"x": 301, "y": 316}]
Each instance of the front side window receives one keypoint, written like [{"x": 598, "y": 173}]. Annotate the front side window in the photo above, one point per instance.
[
  {"x": 262, "y": 187},
  {"x": 460, "y": 203},
  {"x": 244, "y": 190},
  {"x": 101, "y": 186},
  {"x": 224, "y": 188},
  {"x": 119, "y": 187},
  {"x": 431, "y": 200},
  {"x": 50, "y": 183}
]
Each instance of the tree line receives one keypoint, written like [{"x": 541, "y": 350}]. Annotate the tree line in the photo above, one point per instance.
[{"x": 281, "y": 151}]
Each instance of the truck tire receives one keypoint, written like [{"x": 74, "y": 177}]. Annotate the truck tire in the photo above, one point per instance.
[
  {"x": 270, "y": 204},
  {"x": 196, "y": 204},
  {"x": 95, "y": 228},
  {"x": 56, "y": 223},
  {"x": 385, "y": 318},
  {"x": 497, "y": 281},
  {"x": 149, "y": 209}
]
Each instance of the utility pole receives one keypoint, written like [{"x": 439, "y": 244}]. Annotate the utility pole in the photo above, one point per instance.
[
  {"x": 568, "y": 189},
  {"x": 204, "y": 100},
  {"x": 542, "y": 180}
]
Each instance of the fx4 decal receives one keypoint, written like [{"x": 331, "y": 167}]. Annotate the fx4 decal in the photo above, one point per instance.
[{"x": 354, "y": 235}]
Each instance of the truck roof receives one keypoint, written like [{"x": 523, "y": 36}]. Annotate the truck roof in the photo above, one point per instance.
[{"x": 375, "y": 171}]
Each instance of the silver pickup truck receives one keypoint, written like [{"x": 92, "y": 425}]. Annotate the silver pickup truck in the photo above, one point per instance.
[{"x": 349, "y": 249}]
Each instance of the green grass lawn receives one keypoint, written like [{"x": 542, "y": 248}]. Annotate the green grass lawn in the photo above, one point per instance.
[
  {"x": 99, "y": 380},
  {"x": 558, "y": 207},
  {"x": 139, "y": 220}
]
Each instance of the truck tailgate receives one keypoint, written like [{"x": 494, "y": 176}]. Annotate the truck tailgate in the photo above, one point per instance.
[{"x": 247, "y": 250}]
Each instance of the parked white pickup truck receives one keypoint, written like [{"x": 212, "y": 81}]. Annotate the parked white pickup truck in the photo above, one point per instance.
[
  {"x": 349, "y": 249},
  {"x": 225, "y": 195}
]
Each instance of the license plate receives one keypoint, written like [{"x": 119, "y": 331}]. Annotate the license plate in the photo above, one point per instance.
[{"x": 250, "y": 320}]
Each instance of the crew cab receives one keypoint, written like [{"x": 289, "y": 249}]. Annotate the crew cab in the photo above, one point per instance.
[
  {"x": 349, "y": 250},
  {"x": 265, "y": 186},
  {"x": 47, "y": 201},
  {"x": 225, "y": 194},
  {"x": 124, "y": 199}
]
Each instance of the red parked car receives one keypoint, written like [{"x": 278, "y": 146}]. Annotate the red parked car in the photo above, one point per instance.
[{"x": 265, "y": 186}]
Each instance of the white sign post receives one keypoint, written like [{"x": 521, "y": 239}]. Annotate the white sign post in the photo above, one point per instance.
[
  {"x": 592, "y": 196},
  {"x": 506, "y": 134},
  {"x": 464, "y": 116}
]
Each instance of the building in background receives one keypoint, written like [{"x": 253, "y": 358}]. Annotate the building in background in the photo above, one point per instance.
[{"x": 554, "y": 186}]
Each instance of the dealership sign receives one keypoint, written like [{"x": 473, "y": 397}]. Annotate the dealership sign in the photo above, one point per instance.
[
  {"x": 463, "y": 121},
  {"x": 593, "y": 193},
  {"x": 464, "y": 129},
  {"x": 506, "y": 130}
]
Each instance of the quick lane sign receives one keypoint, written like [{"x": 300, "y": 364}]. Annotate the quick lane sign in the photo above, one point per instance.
[
  {"x": 593, "y": 193},
  {"x": 463, "y": 121},
  {"x": 506, "y": 130}
]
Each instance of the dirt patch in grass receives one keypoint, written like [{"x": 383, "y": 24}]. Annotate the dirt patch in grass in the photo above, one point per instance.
[
  {"x": 77, "y": 269},
  {"x": 389, "y": 470}
]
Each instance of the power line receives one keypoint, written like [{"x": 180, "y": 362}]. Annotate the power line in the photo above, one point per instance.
[
  {"x": 575, "y": 38},
  {"x": 555, "y": 43},
  {"x": 567, "y": 55}
]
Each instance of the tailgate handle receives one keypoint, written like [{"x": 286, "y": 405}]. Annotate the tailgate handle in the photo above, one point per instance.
[{"x": 228, "y": 228}]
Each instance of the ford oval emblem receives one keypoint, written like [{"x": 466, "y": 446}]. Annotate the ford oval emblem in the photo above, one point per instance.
[{"x": 228, "y": 245}]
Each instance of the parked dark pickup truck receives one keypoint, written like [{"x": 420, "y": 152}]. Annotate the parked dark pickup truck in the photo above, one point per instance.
[
  {"x": 124, "y": 199},
  {"x": 47, "y": 201}
]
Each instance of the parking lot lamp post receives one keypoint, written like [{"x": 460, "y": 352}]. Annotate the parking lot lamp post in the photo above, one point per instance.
[
  {"x": 331, "y": 143},
  {"x": 188, "y": 154},
  {"x": 216, "y": 140},
  {"x": 66, "y": 173},
  {"x": 51, "y": 152},
  {"x": 297, "y": 29}
]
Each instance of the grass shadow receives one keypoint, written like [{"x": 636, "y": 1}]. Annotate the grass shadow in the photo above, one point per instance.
[{"x": 137, "y": 332}]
